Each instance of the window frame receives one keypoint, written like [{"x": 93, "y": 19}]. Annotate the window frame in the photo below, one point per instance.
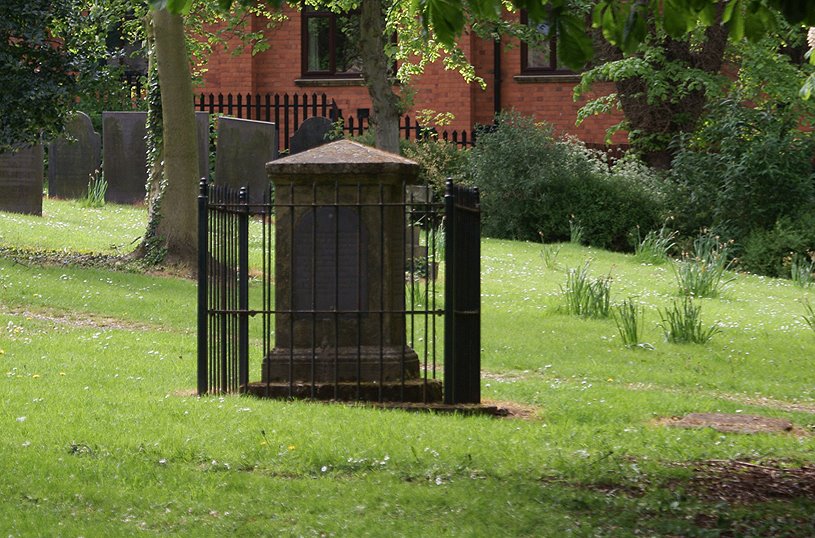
[
  {"x": 553, "y": 59},
  {"x": 307, "y": 13}
]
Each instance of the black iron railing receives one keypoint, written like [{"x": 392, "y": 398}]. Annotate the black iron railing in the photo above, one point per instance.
[{"x": 335, "y": 334}]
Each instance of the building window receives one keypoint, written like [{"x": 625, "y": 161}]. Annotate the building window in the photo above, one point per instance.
[
  {"x": 540, "y": 58},
  {"x": 329, "y": 47}
]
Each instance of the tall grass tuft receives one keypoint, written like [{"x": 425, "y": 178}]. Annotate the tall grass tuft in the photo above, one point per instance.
[
  {"x": 549, "y": 254},
  {"x": 655, "y": 246},
  {"x": 802, "y": 269},
  {"x": 585, "y": 297},
  {"x": 575, "y": 231},
  {"x": 97, "y": 187},
  {"x": 809, "y": 315},
  {"x": 629, "y": 317},
  {"x": 702, "y": 272},
  {"x": 682, "y": 323}
]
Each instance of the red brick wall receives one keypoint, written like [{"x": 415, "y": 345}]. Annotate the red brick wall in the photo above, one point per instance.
[{"x": 276, "y": 70}]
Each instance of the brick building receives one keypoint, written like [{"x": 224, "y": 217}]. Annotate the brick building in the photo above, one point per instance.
[{"x": 309, "y": 53}]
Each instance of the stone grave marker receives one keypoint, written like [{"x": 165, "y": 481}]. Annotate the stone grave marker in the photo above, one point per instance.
[
  {"x": 21, "y": 174},
  {"x": 202, "y": 133},
  {"x": 311, "y": 133},
  {"x": 244, "y": 147},
  {"x": 125, "y": 155},
  {"x": 73, "y": 157}
]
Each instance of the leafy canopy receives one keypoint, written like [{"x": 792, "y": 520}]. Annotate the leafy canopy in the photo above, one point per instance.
[{"x": 622, "y": 22}]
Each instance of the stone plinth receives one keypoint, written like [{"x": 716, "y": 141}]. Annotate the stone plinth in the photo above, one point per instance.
[
  {"x": 21, "y": 174},
  {"x": 339, "y": 266}
]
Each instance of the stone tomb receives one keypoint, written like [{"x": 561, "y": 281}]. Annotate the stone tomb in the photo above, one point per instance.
[
  {"x": 125, "y": 153},
  {"x": 243, "y": 149},
  {"x": 339, "y": 267},
  {"x": 73, "y": 157},
  {"x": 311, "y": 133},
  {"x": 21, "y": 174}
]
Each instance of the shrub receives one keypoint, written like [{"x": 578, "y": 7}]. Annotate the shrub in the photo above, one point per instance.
[
  {"x": 438, "y": 159},
  {"x": 742, "y": 171},
  {"x": 532, "y": 182},
  {"x": 768, "y": 252}
]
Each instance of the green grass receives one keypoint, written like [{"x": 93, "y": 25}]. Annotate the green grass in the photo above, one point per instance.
[{"x": 101, "y": 435}]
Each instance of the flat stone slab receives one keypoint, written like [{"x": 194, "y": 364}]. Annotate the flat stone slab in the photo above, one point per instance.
[{"x": 733, "y": 423}]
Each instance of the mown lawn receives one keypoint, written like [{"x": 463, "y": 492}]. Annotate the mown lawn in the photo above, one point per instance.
[{"x": 102, "y": 434}]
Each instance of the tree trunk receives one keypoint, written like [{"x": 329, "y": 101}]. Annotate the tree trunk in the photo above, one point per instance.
[
  {"x": 151, "y": 248},
  {"x": 178, "y": 225},
  {"x": 376, "y": 71}
]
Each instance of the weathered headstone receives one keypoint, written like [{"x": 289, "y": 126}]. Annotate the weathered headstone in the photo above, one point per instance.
[
  {"x": 243, "y": 149},
  {"x": 125, "y": 155},
  {"x": 202, "y": 132},
  {"x": 311, "y": 133},
  {"x": 21, "y": 180},
  {"x": 73, "y": 157}
]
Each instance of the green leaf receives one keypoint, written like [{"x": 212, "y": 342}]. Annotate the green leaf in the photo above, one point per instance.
[
  {"x": 736, "y": 23},
  {"x": 179, "y": 7},
  {"x": 675, "y": 18},
  {"x": 808, "y": 87},
  {"x": 446, "y": 17},
  {"x": 574, "y": 44},
  {"x": 728, "y": 10},
  {"x": 634, "y": 31}
]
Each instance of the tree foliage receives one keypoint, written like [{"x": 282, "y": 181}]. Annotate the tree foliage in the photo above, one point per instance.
[{"x": 37, "y": 73}]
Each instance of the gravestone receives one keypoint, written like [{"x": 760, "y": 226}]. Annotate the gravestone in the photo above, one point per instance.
[
  {"x": 243, "y": 149},
  {"x": 21, "y": 180},
  {"x": 311, "y": 133},
  {"x": 125, "y": 156},
  {"x": 202, "y": 134},
  {"x": 125, "y": 153},
  {"x": 339, "y": 267},
  {"x": 73, "y": 157}
]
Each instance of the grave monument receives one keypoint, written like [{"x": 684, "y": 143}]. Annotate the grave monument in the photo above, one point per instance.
[
  {"x": 73, "y": 157},
  {"x": 21, "y": 174}
]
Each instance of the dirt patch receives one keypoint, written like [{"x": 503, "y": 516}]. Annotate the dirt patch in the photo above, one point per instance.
[
  {"x": 515, "y": 409},
  {"x": 741, "y": 482},
  {"x": 730, "y": 423},
  {"x": 80, "y": 320}
]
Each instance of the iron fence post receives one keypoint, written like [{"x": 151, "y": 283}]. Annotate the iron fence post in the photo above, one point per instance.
[
  {"x": 449, "y": 293},
  {"x": 203, "y": 201},
  {"x": 243, "y": 288}
]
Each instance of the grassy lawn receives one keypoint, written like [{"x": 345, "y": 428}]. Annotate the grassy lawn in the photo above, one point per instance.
[{"x": 101, "y": 434}]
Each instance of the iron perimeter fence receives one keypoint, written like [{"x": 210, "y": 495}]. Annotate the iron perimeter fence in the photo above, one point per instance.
[{"x": 309, "y": 314}]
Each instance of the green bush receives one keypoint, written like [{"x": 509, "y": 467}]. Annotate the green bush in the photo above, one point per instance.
[
  {"x": 534, "y": 183},
  {"x": 768, "y": 252},
  {"x": 438, "y": 159},
  {"x": 742, "y": 171}
]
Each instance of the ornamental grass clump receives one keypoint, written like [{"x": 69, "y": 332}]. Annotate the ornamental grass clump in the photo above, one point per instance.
[
  {"x": 702, "y": 272},
  {"x": 802, "y": 269},
  {"x": 97, "y": 187},
  {"x": 585, "y": 297},
  {"x": 655, "y": 246},
  {"x": 809, "y": 315},
  {"x": 682, "y": 323},
  {"x": 629, "y": 317}
]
